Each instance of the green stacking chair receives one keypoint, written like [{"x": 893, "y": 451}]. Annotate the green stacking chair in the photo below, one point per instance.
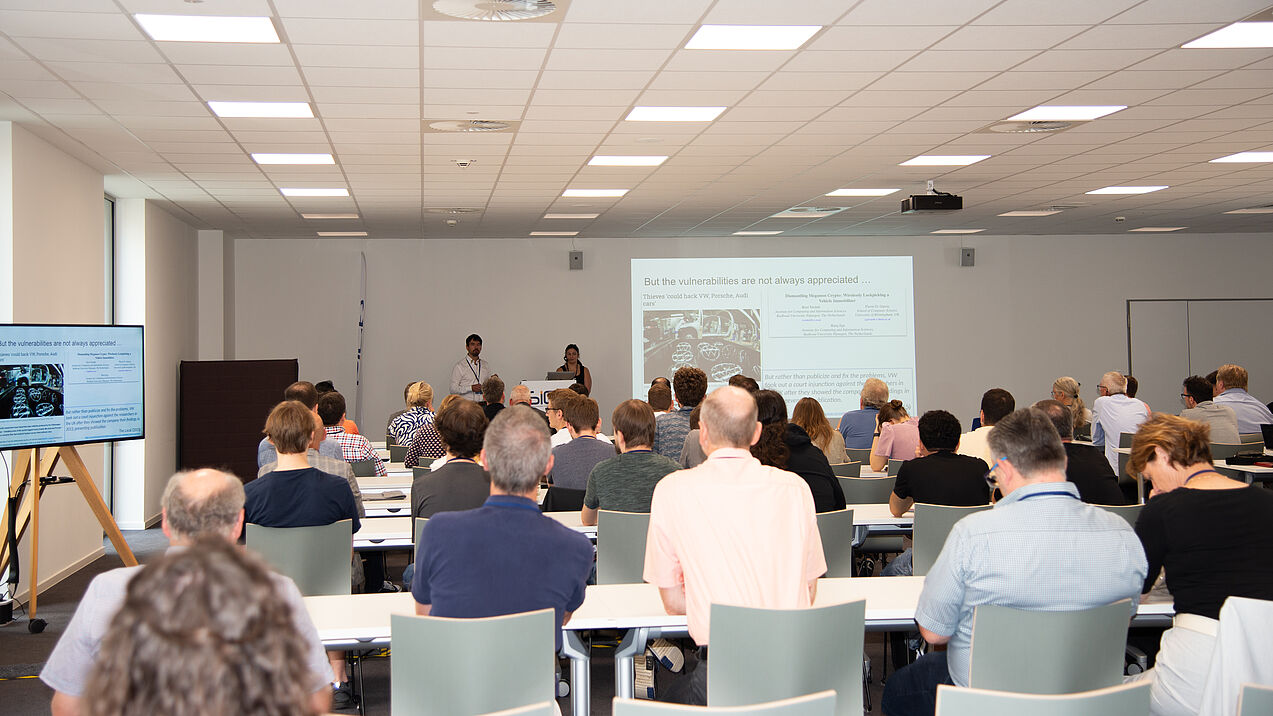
[
  {"x": 932, "y": 525},
  {"x": 314, "y": 557},
  {"x": 1127, "y": 512},
  {"x": 1123, "y": 700},
  {"x": 819, "y": 704},
  {"x": 836, "y": 530},
  {"x": 621, "y": 546},
  {"x": 858, "y": 454},
  {"x": 364, "y": 468},
  {"x": 1255, "y": 700},
  {"x": 847, "y": 469}
]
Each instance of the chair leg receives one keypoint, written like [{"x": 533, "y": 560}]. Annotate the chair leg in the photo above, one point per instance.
[{"x": 866, "y": 679}]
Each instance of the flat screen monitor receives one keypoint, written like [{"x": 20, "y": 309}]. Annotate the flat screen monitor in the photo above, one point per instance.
[{"x": 70, "y": 385}]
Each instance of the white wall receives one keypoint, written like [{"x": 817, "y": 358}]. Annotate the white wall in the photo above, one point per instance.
[
  {"x": 211, "y": 295},
  {"x": 1032, "y": 309},
  {"x": 53, "y": 214}
]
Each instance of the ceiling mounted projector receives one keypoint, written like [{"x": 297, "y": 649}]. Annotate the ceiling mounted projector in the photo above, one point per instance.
[{"x": 940, "y": 201}]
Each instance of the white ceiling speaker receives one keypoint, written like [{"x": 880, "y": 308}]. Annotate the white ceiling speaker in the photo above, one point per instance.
[
  {"x": 495, "y": 11},
  {"x": 1029, "y": 127},
  {"x": 468, "y": 125}
]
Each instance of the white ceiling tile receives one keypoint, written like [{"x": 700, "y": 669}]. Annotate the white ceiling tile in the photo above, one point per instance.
[
  {"x": 345, "y": 31},
  {"x": 848, "y": 60},
  {"x": 1115, "y": 37},
  {"x": 347, "y": 56},
  {"x": 30, "y": 89},
  {"x": 932, "y": 12},
  {"x": 1237, "y": 78},
  {"x": 252, "y": 93},
  {"x": 380, "y": 111},
  {"x": 818, "y": 81},
  {"x": 154, "y": 109},
  {"x": 272, "y": 124},
  {"x": 931, "y": 80},
  {"x": 481, "y": 58},
  {"x": 1212, "y": 59},
  {"x": 647, "y": 11},
  {"x": 370, "y": 95},
  {"x": 966, "y": 60},
  {"x": 1211, "y": 97},
  {"x": 727, "y": 60},
  {"x": 794, "y": 98},
  {"x": 27, "y": 70},
  {"x": 388, "y": 9},
  {"x": 859, "y": 38},
  {"x": 541, "y": 112},
  {"x": 68, "y": 25},
  {"x": 1008, "y": 37},
  {"x": 115, "y": 72},
  {"x": 225, "y": 53},
  {"x": 763, "y": 12},
  {"x": 487, "y": 34},
  {"x": 122, "y": 51},
  {"x": 116, "y": 90},
  {"x": 1070, "y": 60},
  {"x": 689, "y": 98},
  {"x": 585, "y": 98},
  {"x": 597, "y": 59},
  {"x": 1023, "y": 80},
  {"x": 600, "y": 79},
  {"x": 626, "y": 36},
  {"x": 476, "y": 96},
  {"x": 472, "y": 111},
  {"x": 54, "y": 106},
  {"x": 1164, "y": 11},
  {"x": 911, "y": 98},
  {"x": 496, "y": 79}
]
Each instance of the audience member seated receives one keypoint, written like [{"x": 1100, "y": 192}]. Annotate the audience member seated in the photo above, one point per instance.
[
  {"x": 663, "y": 381},
  {"x": 304, "y": 392},
  {"x": 557, "y": 402},
  {"x": 692, "y": 454},
  {"x": 787, "y": 446},
  {"x": 1085, "y": 465},
  {"x": 728, "y": 517},
  {"x": 1200, "y": 407},
  {"x": 418, "y": 414},
  {"x": 354, "y": 447},
  {"x": 1114, "y": 413},
  {"x": 492, "y": 396},
  {"x": 461, "y": 483},
  {"x": 174, "y": 647},
  {"x": 625, "y": 483},
  {"x": 1039, "y": 548},
  {"x": 995, "y": 404},
  {"x": 406, "y": 399},
  {"x": 202, "y": 504},
  {"x": 520, "y": 395},
  {"x": 1212, "y": 535},
  {"x": 857, "y": 427},
  {"x": 324, "y": 387},
  {"x": 690, "y": 385},
  {"x": 505, "y": 557},
  {"x": 1231, "y": 381},
  {"x": 1066, "y": 390},
  {"x": 660, "y": 399},
  {"x": 573, "y": 462},
  {"x": 939, "y": 477},
  {"x": 580, "y": 389},
  {"x": 738, "y": 380},
  {"x": 426, "y": 444},
  {"x": 896, "y": 436},
  {"x": 808, "y": 414}
]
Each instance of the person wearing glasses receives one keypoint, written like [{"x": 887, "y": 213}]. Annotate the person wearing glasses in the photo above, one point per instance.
[
  {"x": 1040, "y": 548},
  {"x": 468, "y": 374},
  {"x": 1196, "y": 397}
]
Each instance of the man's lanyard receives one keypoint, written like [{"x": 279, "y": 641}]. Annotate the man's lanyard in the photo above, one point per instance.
[
  {"x": 476, "y": 367},
  {"x": 1043, "y": 494}
]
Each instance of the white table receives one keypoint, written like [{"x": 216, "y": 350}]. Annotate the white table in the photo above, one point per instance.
[
  {"x": 383, "y": 533},
  {"x": 396, "y": 507},
  {"x": 376, "y": 483},
  {"x": 358, "y": 621}
]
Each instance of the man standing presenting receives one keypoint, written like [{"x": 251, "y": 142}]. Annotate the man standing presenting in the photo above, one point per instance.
[
  {"x": 1040, "y": 548},
  {"x": 731, "y": 531},
  {"x": 858, "y": 426},
  {"x": 471, "y": 372},
  {"x": 1231, "y": 391},
  {"x": 1114, "y": 413}
]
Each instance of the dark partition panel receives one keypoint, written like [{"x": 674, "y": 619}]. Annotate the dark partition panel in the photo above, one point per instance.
[{"x": 222, "y": 409}]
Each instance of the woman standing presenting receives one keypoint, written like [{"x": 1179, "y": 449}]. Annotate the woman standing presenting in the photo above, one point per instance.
[{"x": 582, "y": 375}]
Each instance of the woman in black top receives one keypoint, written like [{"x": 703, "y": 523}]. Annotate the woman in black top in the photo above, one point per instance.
[
  {"x": 582, "y": 375},
  {"x": 1212, "y": 536},
  {"x": 787, "y": 446}
]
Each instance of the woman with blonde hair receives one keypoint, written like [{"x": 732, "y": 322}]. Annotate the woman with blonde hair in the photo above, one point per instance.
[
  {"x": 809, "y": 415},
  {"x": 1066, "y": 391},
  {"x": 896, "y": 436}
]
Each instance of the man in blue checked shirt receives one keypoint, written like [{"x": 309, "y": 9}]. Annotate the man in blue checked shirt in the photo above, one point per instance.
[{"x": 1041, "y": 548}]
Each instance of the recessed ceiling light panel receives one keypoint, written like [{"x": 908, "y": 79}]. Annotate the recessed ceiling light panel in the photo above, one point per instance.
[
  {"x": 310, "y": 191},
  {"x": 1157, "y": 229},
  {"x": 751, "y": 37},
  {"x": 262, "y": 109},
  {"x": 1245, "y": 158},
  {"x": 293, "y": 158},
  {"x": 808, "y": 212},
  {"x": 207, "y": 28},
  {"x": 1253, "y": 210},
  {"x": 1065, "y": 113},
  {"x": 342, "y": 233},
  {"x": 627, "y": 161},
  {"x": 594, "y": 193},
  {"x": 862, "y": 192},
  {"x": 329, "y": 216},
  {"x": 756, "y": 233},
  {"x": 571, "y": 216},
  {"x": 944, "y": 160},
  {"x": 554, "y": 233},
  {"x": 1126, "y": 190},
  {"x": 956, "y": 231},
  {"x": 1038, "y": 212},
  {"x": 674, "y": 114},
  {"x": 1239, "y": 34}
]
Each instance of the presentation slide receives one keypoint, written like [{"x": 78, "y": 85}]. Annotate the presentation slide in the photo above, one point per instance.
[
  {"x": 814, "y": 327},
  {"x": 64, "y": 385}
]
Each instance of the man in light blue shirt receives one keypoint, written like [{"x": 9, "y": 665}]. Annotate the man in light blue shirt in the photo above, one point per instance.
[
  {"x": 1040, "y": 548},
  {"x": 1114, "y": 413},
  {"x": 303, "y": 391},
  {"x": 1231, "y": 391},
  {"x": 858, "y": 426}
]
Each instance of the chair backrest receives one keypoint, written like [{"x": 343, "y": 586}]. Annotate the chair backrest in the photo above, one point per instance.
[
  {"x": 1078, "y": 650},
  {"x": 547, "y": 708},
  {"x": 821, "y": 649},
  {"x": 894, "y": 466},
  {"x": 819, "y": 704},
  {"x": 1123, "y": 700},
  {"x": 847, "y": 469},
  {"x": 621, "y": 546},
  {"x": 836, "y": 530},
  {"x": 418, "y": 472},
  {"x": 858, "y": 454},
  {"x": 390, "y": 440},
  {"x": 1125, "y": 439},
  {"x": 1255, "y": 700},
  {"x": 417, "y": 533},
  {"x": 1223, "y": 451},
  {"x": 466, "y": 667},
  {"x": 311, "y": 556},
  {"x": 932, "y": 524},
  {"x": 867, "y": 490},
  {"x": 1127, "y": 512},
  {"x": 364, "y": 468},
  {"x": 1251, "y": 438},
  {"x": 563, "y": 499},
  {"x": 397, "y": 453}
]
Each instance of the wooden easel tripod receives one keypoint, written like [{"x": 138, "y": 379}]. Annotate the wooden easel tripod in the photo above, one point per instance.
[{"x": 26, "y": 487}]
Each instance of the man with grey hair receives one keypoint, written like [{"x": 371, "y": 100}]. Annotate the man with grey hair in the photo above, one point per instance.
[
  {"x": 196, "y": 504},
  {"x": 1085, "y": 466},
  {"x": 731, "y": 531},
  {"x": 1114, "y": 413},
  {"x": 520, "y": 395},
  {"x": 858, "y": 426},
  {"x": 504, "y": 557},
  {"x": 1040, "y": 548}
]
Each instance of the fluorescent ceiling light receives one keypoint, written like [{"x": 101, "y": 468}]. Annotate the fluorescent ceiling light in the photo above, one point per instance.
[
  {"x": 944, "y": 160},
  {"x": 594, "y": 193},
  {"x": 329, "y": 216},
  {"x": 261, "y": 109},
  {"x": 1065, "y": 113},
  {"x": 674, "y": 114},
  {"x": 1239, "y": 34},
  {"x": 756, "y": 233},
  {"x": 808, "y": 212},
  {"x": 626, "y": 161},
  {"x": 571, "y": 216},
  {"x": 862, "y": 192},
  {"x": 956, "y": 231},
  {"x": 1245, "y": 157},
  {"x": 306, "y": 191},
  {"x": 1159, "y": 228},
  {"x": 751, "y": 37},
  {"x": 554, "y": 233},
  {"x": 1126, "y": 190},
  {"x": 207, "y": 28},
  {"x": 342, "y": 233},
  {"x": 293, "y": 159},
  {"x": 1040, "y": 212},
  {"x": 1255, "y": 210}
]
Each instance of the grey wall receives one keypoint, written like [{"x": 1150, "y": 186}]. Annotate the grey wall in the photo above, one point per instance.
[{"x": 1032, "y": 309}]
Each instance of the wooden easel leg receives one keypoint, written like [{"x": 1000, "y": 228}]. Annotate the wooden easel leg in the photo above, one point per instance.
[{"x": 71, "y": 457}]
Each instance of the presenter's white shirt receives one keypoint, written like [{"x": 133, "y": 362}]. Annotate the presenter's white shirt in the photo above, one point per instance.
[{"x": 466, "y": 373}]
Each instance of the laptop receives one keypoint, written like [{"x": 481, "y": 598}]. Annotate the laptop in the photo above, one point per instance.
[{"x": 560, "y": 375}]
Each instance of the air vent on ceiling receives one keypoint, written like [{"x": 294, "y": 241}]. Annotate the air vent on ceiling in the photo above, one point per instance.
[
  {"x": 452, "y": 211},
  {"x": 467, "y": 125},
  {"x": 808, "y": 212},
  {"x": 497, "y": 11},
  {"x": 1028, "y": 127}
]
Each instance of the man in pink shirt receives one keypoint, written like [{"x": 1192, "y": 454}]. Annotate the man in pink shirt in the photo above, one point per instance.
[{"x": 731, "y": 531}]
